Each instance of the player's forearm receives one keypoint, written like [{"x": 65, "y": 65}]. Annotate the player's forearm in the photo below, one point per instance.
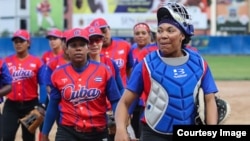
[
  {"x": 5, "y": 90},
  {"x": 121, "y": 117},
  {"x": 121, "y": 113},
  {"x": 211, "y": 110}
]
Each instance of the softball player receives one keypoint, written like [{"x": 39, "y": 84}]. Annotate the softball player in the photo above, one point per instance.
[
  {"x": 142, "y": 38},
  {"x": 95, "y": 46},
  {"x": 5, "y": 87},
  {"x": 117, "y": 49},
  {"x": 26, "y": 71},
  {"x": 57, "y": 61},
  {"x": 55, "y": 37},
  {"x": 170, "y": 78},
  {"x": 78, "y": 94}
]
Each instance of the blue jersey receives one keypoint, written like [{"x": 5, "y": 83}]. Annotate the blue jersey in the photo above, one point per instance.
[
  {"x": 176, "y": 82},
  {"x": 5, "y": 76}
]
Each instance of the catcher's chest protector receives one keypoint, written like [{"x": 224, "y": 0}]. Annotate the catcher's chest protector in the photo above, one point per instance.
[{"x": 174, "y": 85}]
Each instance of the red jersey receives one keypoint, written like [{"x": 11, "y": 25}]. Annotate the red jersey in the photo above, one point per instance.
[
  {"x": 56, "y": 62},
  {"x": 115, "y": 73},
  {"x": 146, "y": 50},
  {"x": 136, "y": 52},
  {"x": 49, "y": 55},
  {"x": 83, "y": 94},
  {"x": 107, "y": 61},
  {"x": 52, "y": 65},
  {"x": 26, "y": 75},
  {"x": 120, "y": 51}
]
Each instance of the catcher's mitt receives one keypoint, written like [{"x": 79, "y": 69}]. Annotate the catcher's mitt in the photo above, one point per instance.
[
  {"x": 34, "y": 119},
  {"x": 223, "y": 108}
]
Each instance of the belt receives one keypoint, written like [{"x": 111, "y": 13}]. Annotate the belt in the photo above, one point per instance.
[
  {"x": 35, "y": 101},
  {"x": 91, "y": 129}
]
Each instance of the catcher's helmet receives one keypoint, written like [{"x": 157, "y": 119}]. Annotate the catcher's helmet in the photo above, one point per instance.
[{"x": 177, "y": 12}]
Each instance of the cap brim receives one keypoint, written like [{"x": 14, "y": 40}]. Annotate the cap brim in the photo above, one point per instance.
[
  {"x": 96, "y": 34},
  {"x": 19, "y": 37},
  {"x": 104, "y": 26},
  {"x": 52, "y": 36},
  {"x": 67, "y": 40}
]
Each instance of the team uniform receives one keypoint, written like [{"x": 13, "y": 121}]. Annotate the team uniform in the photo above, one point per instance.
[
  {"x": 115, "y": 73},
  {"x": 5, "y": 76},
  {"x": 56, "y": 47},
  {"x": 145, "y": 51},
  {"x": 5, "y": 79},
  {"x": 48, "y": 55},
  {"x": 52, "y": 65},
  {"x": 26, "y": 75},
  {"x": 78, "y": 95},
  {"x": 170, "y": 79},
  {"x": 120, "y": 51},
  {"x": 85, "y": 93},
  {"x": 138, "y": 55},
  {"x": 55, "y": 37},
  {"x": 181, "y": 110}
]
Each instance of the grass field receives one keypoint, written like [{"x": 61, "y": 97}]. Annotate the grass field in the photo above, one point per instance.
[{"x": 229, "y": 67}]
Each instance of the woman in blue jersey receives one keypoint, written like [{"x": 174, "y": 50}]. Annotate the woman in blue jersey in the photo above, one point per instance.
[
  {"x": 5, "y": 86},
  {"x": 168, "y": 80}
]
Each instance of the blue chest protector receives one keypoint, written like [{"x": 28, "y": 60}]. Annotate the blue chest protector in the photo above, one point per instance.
[{"x": 174, "y": 86}]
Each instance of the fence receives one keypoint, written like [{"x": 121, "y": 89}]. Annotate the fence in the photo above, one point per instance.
[{"x": 207, "y": 45}]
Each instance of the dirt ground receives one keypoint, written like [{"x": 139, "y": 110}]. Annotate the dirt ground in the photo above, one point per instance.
[{"x": 236, "y": 93}]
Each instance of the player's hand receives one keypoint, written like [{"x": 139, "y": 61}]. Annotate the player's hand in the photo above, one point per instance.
[
  {"x": 121, "y": 135},
  {"x": 44, "y": 137}
]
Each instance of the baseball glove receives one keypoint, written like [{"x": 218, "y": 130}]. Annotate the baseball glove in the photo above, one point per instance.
[
  {"x": 34, "y": 119},
  {"x": 223, "y": 108}
]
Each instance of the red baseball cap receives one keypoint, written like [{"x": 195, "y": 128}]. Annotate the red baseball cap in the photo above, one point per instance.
[
  {"x": 65, "y": 34},
  {"x": 55, "y": 33},
  {"x": 93, "y": 30},
  {"x": 77, "y": 32},
  {"x": 99, "y": 22},
  {"x": 23, "y": 34}
]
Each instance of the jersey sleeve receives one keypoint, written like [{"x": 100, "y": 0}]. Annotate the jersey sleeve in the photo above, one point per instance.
[
  {"x": 112, "y": 92},
  {"x": 47, "y": 75},
  {"x": 42, "y": 86},
  {"x": 54, "y": 93},
  {"x": 130, "y": 62},
  {"x": 208, "y": 83},
  {"x": 51, "y": 114},
  {"x": 118, "y": 78},
  {"x": 5, "y": 75},
  {"x": 41, "y": 73}
]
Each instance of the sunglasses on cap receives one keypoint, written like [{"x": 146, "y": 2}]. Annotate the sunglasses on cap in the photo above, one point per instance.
[{"x": 95, "y": 40}]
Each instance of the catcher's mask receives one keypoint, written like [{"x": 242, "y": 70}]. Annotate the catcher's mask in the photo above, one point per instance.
[{"x": 178, "y": 13}]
